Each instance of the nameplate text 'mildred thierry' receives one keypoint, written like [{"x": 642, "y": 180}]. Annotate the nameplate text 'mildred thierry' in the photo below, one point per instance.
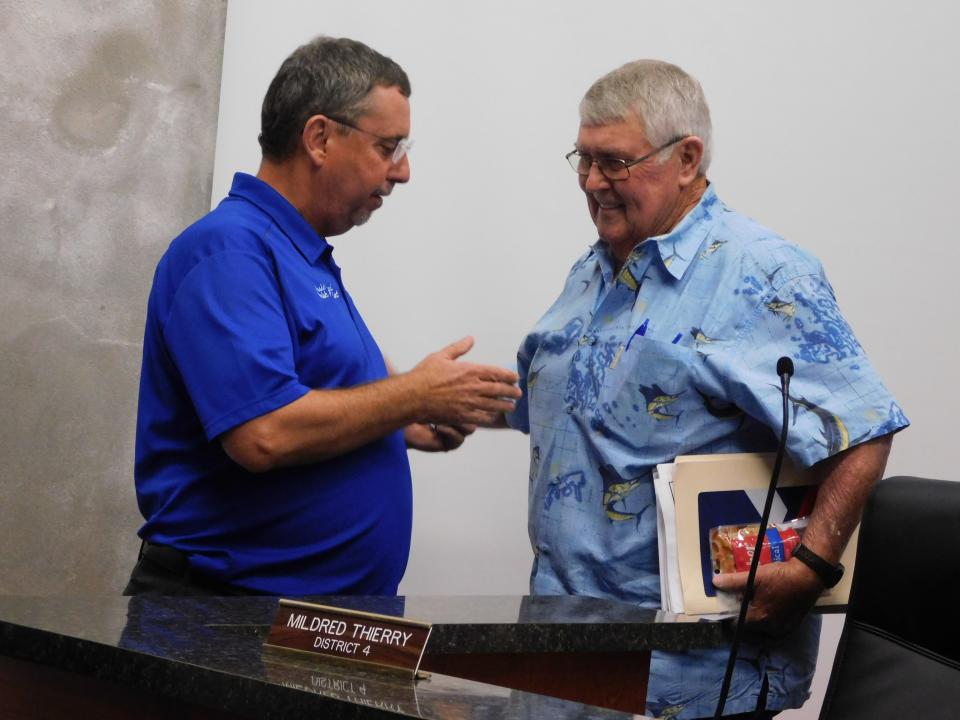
[{"x": 349, "y": 634}]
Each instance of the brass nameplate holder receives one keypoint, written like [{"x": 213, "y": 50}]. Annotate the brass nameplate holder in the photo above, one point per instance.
[{"x": 349, "y": 635}]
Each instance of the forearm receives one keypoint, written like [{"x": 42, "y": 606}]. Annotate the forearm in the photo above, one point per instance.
[
  {"x": 325, "y": 423},
  {"x": 786, "y": 591},
  {"x": 846, "y": 480}
]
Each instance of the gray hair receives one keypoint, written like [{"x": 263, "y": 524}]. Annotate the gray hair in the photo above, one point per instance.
[
  {"x": 668, "y": 102},
  {"x": 328, "y": 76}
]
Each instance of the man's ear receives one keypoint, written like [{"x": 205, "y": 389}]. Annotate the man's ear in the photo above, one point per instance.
[
  {"x": 316, "y": 133},
  {"x": 690, "y": 154}
]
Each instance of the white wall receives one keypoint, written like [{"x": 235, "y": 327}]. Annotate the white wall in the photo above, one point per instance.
[{"x": 835, "y": 124}]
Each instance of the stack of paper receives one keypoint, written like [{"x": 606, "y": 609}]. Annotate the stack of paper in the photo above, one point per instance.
[{"x": 699, "y": 492}]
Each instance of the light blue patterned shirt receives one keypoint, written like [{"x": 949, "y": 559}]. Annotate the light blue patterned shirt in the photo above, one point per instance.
[{"x": 677, "y": 355}]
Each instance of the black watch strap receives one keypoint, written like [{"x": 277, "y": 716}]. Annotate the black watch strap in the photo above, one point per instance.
[{"x": 829, "y": 574}]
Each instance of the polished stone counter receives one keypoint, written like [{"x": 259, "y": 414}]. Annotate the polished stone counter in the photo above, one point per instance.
[{"x": 208, "y": 651}]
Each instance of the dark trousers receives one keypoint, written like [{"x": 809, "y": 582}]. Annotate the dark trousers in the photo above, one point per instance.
[{"x": 163, "y": 570}]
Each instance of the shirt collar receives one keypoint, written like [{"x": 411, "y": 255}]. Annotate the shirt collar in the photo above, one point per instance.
[
  {"x": 677, "y": 248},
  {"x": 254, "y": 190}
]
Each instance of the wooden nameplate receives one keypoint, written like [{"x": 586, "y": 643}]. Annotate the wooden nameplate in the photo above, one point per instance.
[{"x": 349, "y": 635}]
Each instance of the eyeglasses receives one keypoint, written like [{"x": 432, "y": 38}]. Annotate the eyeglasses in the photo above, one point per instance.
[
  {"x": 610, "y": 167},
  {"x": 399, "y": 148}
]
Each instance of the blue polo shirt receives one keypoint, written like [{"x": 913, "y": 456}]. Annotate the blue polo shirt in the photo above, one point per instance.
[{"x": 248, "y": 313}]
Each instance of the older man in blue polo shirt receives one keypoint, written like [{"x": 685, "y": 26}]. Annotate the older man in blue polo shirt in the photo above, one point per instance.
[
  {"x": 664, "y": 342},
  {"x": 271, "y": 438}
]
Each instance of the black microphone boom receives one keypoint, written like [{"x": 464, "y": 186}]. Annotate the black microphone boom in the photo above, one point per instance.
[{"x": 785, "y": 371}]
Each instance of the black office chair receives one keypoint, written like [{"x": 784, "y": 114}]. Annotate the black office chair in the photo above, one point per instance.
[{"x": 899, "y": 654}]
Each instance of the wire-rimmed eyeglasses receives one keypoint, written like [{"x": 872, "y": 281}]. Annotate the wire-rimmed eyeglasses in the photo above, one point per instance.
[
  {"x": 399, "y": 147},
  {"x": 610, "y": 167}
]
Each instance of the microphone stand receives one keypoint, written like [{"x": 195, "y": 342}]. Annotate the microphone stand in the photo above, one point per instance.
[{"x": 784, "y": 370}]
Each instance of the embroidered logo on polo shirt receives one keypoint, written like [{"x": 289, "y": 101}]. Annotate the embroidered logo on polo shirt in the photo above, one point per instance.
[{"x": 327, "y": 291}]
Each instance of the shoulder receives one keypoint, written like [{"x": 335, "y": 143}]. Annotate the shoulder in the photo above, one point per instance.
[
  {"x": 758, "y": 255},
  {"x": 586, "y": 262},
  {"x": 229, "y": 243},
  {"x": 233, "y": 228},
  {"x": 582, "y": 271}
]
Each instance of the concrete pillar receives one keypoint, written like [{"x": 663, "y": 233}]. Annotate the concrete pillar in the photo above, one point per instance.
[{"x": 108, "y": 119}]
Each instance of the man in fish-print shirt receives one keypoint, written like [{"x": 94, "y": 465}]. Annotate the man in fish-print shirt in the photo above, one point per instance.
[{"x": 664, "y": 342}]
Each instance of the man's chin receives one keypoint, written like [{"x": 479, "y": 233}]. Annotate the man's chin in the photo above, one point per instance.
[
  {"x": 610, "y": 233},
  {"x": 360, "y": 216}
]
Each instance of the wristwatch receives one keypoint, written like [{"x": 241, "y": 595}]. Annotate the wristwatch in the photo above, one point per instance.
[{"x": 829, "y": 574}]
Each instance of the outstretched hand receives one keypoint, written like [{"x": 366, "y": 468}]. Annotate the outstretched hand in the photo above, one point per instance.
[
  {"x": 455, "y": 393},
  {"x": 783, "y": 594}
]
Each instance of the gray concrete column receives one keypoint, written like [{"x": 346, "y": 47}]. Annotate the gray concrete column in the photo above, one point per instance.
[{"x": 108, "y": 120}]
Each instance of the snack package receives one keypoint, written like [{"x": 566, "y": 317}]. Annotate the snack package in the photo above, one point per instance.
[{"x": 731, "y": 546}]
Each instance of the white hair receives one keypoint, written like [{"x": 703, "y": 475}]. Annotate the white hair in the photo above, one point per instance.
[{"x": 668, "y": 102}]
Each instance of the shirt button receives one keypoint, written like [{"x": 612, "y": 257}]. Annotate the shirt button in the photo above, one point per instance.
[
  {"x": 576, "y": 355},
  {"x": 587, "y": 340},
  {"x": 569, "y": 409}
]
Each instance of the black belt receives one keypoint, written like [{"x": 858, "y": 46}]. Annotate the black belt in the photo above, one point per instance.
[
  {"x": 169, "y": 558},
  {"x": 177, "y": 563}
]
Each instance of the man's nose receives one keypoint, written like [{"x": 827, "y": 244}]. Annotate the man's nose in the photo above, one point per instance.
[
  {"x": 595, "y": 180},
  {"x": 400, "y": 172}
]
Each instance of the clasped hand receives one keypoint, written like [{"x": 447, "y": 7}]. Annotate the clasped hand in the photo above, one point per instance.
[{"x": 783, "y": 594}]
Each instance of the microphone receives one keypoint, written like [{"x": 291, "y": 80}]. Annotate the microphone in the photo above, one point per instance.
[{"x": 785, "y": 371}]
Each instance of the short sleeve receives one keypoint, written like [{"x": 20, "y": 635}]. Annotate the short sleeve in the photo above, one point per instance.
[
  {"x": 228, "y": 335},
  {"x": 836, "y": 399}
]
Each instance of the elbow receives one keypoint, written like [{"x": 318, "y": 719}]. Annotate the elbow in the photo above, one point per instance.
[
  {"x": 254, "y": 447},
  {"x": 256, "y": 462}
]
